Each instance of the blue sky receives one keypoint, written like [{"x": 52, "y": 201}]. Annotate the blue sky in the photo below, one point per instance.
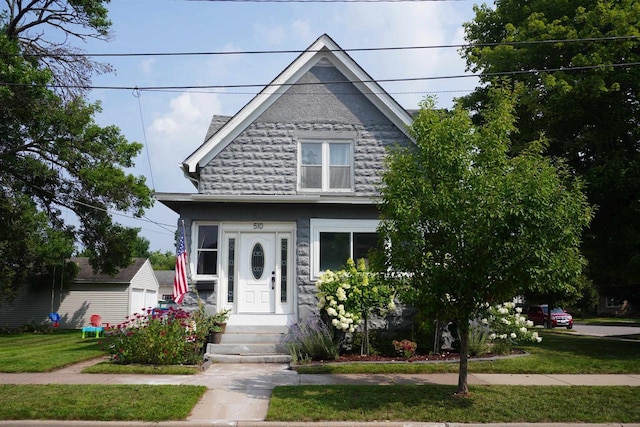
[{"x": 172, "y": 124}]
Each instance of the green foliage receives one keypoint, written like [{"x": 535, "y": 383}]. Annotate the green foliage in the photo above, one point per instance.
[
  {"x": 153, "y": 337},
  {"x": 405, "y": 348},
  {"x": 479, "y": 342},
  {"x": 162, "y": 261},
  {"x": 589, "y": 116},
  {"x": 349, "y": 297},
  {"x": 311, "y": 340},
  {"x": 54, "y": 157},
  {"x": 469, "y": 224},
  {"x": 508, "y": 327}
]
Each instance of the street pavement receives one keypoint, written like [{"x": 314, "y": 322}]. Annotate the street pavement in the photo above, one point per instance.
[{"x": 605, "y": 330}]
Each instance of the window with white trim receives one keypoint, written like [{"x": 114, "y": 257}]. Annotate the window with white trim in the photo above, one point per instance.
[
  {"x": 333, "y": 241},
  {"x": 612, "y": 302},
  {"x": 206, "y": 250},
  {"x": 325, "y": 165}
]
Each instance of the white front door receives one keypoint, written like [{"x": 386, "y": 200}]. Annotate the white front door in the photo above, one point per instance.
[{"x": 257, "y": 273}]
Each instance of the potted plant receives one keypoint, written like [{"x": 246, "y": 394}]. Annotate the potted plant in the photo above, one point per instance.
[{"x": 219, "y": 324}]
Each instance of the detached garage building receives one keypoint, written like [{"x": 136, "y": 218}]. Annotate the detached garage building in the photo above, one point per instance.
[{"x": 112, "y": 297}]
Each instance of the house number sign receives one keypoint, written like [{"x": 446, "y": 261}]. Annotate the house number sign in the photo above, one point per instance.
[{"x": 258, "y": 225}]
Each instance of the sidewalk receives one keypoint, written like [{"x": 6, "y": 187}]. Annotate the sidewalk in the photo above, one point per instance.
[{"x": 238, "y": 394}]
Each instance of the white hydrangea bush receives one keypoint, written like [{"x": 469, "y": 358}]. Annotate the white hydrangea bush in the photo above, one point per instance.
[
  {"x": 508, "y": 326},
  {"x": 348, "y": 295}
]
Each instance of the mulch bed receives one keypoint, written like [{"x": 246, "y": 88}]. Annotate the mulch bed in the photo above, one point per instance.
[{"x": 440, "y": 357}]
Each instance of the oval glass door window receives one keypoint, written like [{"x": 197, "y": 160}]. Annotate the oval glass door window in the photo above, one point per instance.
[{"x": 257, "y": 261}]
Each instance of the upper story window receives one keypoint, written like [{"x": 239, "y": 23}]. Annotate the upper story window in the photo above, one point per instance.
[
  {"x": 206, "y": 249},
  {"x": 326, "y": 165}
]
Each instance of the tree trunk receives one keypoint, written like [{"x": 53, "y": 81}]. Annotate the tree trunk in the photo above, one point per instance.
[
  {"x": 364, "y": 347},
  {"x": 463, "y": 335},
  {"x": 549, "y": 317}
]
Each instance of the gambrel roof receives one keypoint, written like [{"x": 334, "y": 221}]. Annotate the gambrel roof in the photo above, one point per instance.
[{"x": 323, "y": 49}]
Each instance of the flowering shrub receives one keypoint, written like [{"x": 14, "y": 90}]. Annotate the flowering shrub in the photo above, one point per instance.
[
  {"x": 406, "y": 348},
  {"x": 156, "y": 337},
  {"x": 507, "y": 327},
  {"x": 348, "y": 297},
  {"x": 311, "y": 340}
]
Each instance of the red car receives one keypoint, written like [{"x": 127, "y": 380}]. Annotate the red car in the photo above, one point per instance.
[{"x": 538, "y": 314}]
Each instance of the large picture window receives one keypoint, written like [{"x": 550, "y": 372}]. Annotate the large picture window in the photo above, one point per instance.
[
  {"x": 333, "y": 241},
  {"x": 207, "y": 250},
  {"x": 325, "y": 166}
]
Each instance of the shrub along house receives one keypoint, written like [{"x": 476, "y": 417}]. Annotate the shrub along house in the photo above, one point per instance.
[{"x": 287, "y": 187}]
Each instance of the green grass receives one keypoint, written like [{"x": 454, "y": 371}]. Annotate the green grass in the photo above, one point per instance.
[
  {"x": 112, "y": 368},
  {"x": 44, "y": 352},
  {"x": 559, "y": 352},
  {"x": 98, "y": 402},
  {"x": 436, "y": 403}
]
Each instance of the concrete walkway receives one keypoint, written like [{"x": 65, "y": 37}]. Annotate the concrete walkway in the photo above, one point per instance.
[{"x": 238, "y": 394}]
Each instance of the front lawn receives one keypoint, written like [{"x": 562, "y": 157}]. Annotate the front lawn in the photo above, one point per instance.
[
  {"x": 559, "y": 352},
  {"x": 437, "y": 403},
  {"x": 44, "y": 352},
  {"x": 98, "y": 402}
]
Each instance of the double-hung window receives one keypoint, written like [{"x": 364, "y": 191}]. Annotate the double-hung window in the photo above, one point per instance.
[
  {"x": 206, "y": 249},
  {"x": 333, "y": 241},
  {"x": 325, "y": 165}
]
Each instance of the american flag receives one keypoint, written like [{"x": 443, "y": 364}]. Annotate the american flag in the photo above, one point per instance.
[{"x": 180, "y": 285}]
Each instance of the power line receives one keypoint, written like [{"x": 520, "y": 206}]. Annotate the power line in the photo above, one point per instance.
[
  {"x": 339, "y": 82},
  {"x": 364, "y": 49},
  {"x": 329, "y": 1}
]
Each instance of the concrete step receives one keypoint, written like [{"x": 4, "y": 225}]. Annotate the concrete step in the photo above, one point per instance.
[
  {"x": 250, "y": 344},
  {"x": 246, "y": 348},
  {"x": 248, "y": 358},
  {"x": 256, "y": 329}
]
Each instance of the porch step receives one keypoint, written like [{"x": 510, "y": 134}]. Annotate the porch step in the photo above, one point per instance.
[{"x": 250, "y": 344}]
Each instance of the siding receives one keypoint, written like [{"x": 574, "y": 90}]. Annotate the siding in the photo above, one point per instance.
[
  {"x": 29, "y": 306},
  {"x": 78, "y": 303},
  {"x": 145, "y": 282},
  {"x": 111, "y": 302}
]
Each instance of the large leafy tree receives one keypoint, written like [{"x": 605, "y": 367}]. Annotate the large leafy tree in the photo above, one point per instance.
[
  {"x": 578, "y": 62},
  {"x": 55, "y": 159},
  {"x": 468, "y": 225}
]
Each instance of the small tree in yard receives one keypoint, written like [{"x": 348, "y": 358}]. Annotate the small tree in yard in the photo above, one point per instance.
[
  {"x": 349, "y": 297},
  {"x": 469, "y": 225}
]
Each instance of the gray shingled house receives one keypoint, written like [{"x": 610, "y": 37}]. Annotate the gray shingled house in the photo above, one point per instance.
[{"x": 287, "y": 187}]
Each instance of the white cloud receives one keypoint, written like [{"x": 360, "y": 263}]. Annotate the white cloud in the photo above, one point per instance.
[
  {"x": 146, "y": 65},
  {"x": 301, "y": 29},
  {"x": 174, "y": 134},
  {"x": 413, "y": 24},
  {"x": 271, "y": 35}
]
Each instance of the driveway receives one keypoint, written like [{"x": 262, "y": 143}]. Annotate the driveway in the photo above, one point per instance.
[{"x": 605, "y": 331}]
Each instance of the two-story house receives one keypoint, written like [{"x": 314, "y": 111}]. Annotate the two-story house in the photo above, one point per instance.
[{"x": 287, "y": 187}]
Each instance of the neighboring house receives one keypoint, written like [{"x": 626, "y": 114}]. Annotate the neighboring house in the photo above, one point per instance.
[
  {"x": 165, "y": 283},
  {"x": 614, "y": 306},
  {"x": 112, "y": 297},
  {"x": 287, "y": 188}
]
